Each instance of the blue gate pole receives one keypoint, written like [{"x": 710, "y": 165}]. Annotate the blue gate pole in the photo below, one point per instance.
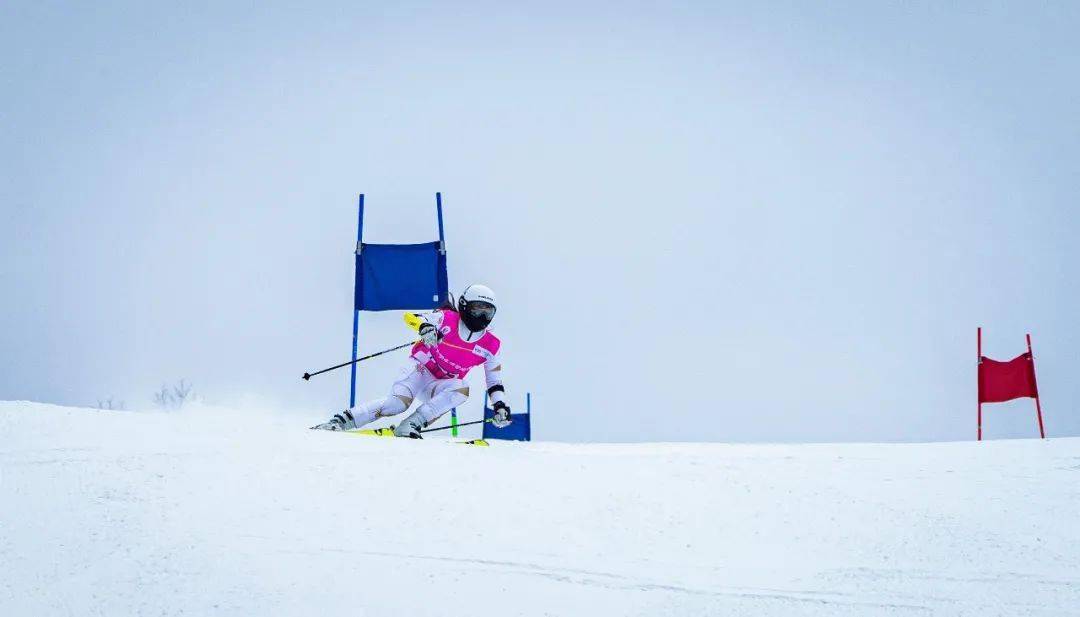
[
  {"x": 438, "y": 210},
  {"x": 442, "y": 249},
  {"x": 356, "y": 312}
]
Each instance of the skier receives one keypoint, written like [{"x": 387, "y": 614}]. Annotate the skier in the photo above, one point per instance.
[{"x": 451, "y": 343}]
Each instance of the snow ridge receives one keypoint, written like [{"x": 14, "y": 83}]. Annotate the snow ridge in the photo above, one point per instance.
[{"x": 180, "y": 513}]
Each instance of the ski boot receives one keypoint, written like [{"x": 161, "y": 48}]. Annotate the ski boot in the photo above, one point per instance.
[
  {"x": 411, "y": 427},
  {"x": 340, "y": 422}
]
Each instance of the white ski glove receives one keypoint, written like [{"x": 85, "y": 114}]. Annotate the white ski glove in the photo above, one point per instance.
[
  {"x": 501, "y": 418},
  {"x": 429, "y": 334}
]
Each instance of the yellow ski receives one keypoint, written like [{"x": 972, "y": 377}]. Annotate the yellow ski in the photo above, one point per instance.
[{"x": 388, "y": 431}]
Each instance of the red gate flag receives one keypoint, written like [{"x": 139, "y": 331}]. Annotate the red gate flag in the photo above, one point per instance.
[{"x": 1005, "y": 381}]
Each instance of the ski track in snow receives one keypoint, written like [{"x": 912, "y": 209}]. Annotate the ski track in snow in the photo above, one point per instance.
[{"x": 124, "y": 513}]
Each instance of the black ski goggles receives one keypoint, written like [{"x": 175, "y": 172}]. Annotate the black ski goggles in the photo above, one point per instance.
[{"x": 480, "y": 310}]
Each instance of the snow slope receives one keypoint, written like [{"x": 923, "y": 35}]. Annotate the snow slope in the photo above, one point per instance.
[{"x": 122, "y": 513}]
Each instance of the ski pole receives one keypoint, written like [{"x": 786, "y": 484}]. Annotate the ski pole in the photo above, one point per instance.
[
  {"x": 308, "y": 376},
  {"x": 443, "y": 428}
]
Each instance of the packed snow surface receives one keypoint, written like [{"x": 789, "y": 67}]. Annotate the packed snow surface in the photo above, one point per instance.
[{"x": 210, "y": 512}]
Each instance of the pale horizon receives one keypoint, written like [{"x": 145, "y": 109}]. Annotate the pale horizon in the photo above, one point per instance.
[{"x": 773, "y": 222}]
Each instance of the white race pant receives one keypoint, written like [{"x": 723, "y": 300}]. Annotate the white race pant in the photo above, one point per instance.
[{"x": 437, "y": 396}]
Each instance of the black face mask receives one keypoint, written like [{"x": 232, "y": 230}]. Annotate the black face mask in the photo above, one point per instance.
[{"x": 477, "y": 315}]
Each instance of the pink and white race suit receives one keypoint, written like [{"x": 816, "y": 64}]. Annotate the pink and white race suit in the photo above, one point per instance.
[
  {"x": 455, "y": 355},
  {"x": 437, "y": 373}
]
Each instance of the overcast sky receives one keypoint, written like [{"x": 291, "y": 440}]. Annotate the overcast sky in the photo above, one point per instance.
[{"x": 704, "y": 221}]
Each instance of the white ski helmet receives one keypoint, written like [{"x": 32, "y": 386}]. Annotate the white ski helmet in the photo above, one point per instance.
[{"x": 476, "y": 307}]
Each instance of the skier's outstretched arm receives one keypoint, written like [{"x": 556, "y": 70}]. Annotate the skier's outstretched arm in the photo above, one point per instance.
[{"x": 495, "y": 390}]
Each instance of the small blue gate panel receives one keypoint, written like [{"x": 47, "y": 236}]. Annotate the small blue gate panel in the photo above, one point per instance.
[{"x": 519, "y": 429}]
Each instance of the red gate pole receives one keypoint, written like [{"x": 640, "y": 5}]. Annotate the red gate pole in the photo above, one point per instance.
[
  {"x": 978, "y": 379},
  {"x": 1035, "y": 382}
]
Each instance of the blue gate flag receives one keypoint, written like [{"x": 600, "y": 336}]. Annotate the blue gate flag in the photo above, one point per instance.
[
  {"x": 519, "y": 429},
  {"x": 400, "y": 276}
]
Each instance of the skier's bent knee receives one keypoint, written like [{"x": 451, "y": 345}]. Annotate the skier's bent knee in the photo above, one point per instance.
[{"x": 400, "y": 399}]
